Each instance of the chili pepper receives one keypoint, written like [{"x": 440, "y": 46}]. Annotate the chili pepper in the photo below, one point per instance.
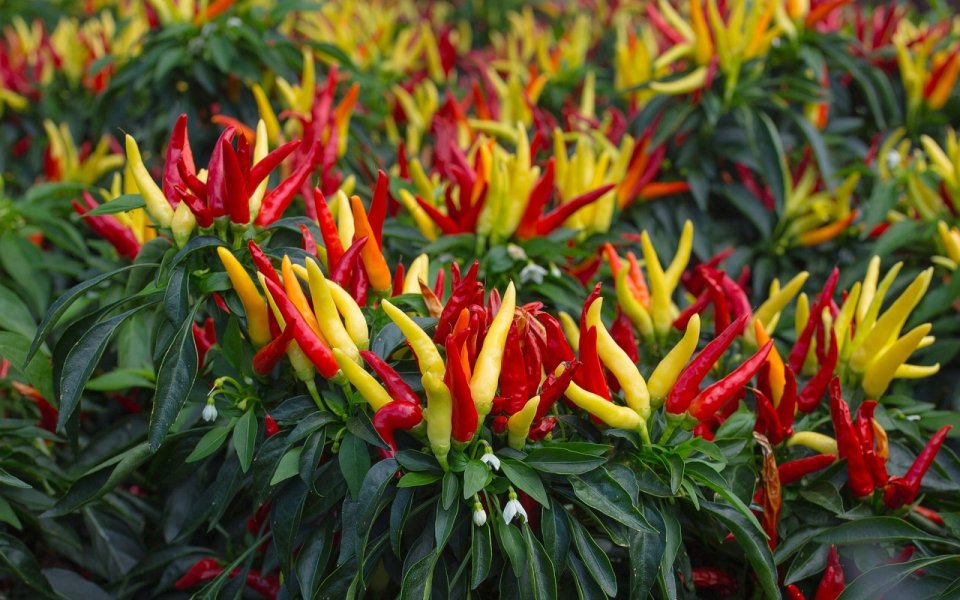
[
  {"x": 772, "y": 306},
  {"x": 513, "y": 376},
  {"x": 775, "y": 367},
  {"x": 881, "y": 371},
  {"x": 309, "y": 242},
  {"x": 555, "y": 218},
  {"x": 262, "y": 263},
  {"x": 709, "y": 578},
  {"x": 325, "y": 310},
  {"x": 772, "y": 498},
  {"x": 269, "y": 585},
  {"x": 794, "y": 470},
  {"x": 398, "y": 389},
  {"x": 373, "y": 261},
  {"x": 216, "y": 178},
  {"x": 438, "y": 283},
  {"x": 794, "y": 593},
  {"x": 233, "y": 181},
  {"x": 423, "y": 346},
  {"x": 308, "y": 340},
  {"x": 864, "y": 428},
  {"x": 624, "y": 370},
  {"x": 177, "y": 148},
  {"x": 787, "y": 409},
  {"x": 800, "y": 349},
  {"x": 518, "y": 425},
  {"x": 110, "y": 229},
  {"x": 604, "y": 410},
  {"x": 278, "y": 199},
  {"x": 270, "y": 426},
  {"x": 393, "y": 416},
  {"x": 204, "y": 569},
  {"x": 824, "y": 444},
  {"x": 904, "y": 490},
  {"x": 486, "y": 369},
  {"x": 537, "y": 199},
  {"x": 345, "y": 266},
  {"x": 361, "y": 283},
  {"x": 683, "y": 391},
  {"x": 157, "y": 205},
  {"x": 832, "y": 583},
  {"x": 254, "y": 308},
  {"x": 204, "y": 338},
  {"x": 721, "y": 308},
  {"x": 590, "y": 376},
  {"x": 557, "y": 350},
  {"x": 295, "y": 294},
  {"x": 182, "y": 224},
  {"x": 848, "y": 443},
  {"x": 622, "y": 333},
  {"x": 439, "y": 416},
  {"x": 461, "y": 294},
  {"x": 353, "y": 319},
  {"x": 630, "y": 305},
  {"x": 929, "y": 514},
  {"x": 464, "y": 416},
  {"x": 718, "y": 394},
  {"x": 366, "y": 385},
  {"x": 378, "y": 206},
  {"x": 812, "y": 392},
  {"x": 264, "y": 166},
  {"x": 768, "y": 421},
  {"x": 328, "y": 230},
  {"x": 668, "y": 369},
  {"x": 554, "y": 387},
  {"x": 268, "y": 356}
]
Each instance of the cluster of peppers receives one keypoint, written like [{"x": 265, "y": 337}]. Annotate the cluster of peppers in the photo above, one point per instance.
[{"x": 209, "y": 568}]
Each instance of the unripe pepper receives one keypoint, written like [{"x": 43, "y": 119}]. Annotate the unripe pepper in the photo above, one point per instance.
[
  {"x": 632, "y": 307},
  {"x": 182, "y": 224},
  {"x": 608, "y": 412},
  {"x": 157, "y": 204},
  {"x": 428, "y": 357},
  {"x": 518, "y": 425},
  {"x": 373, "y": 261},
  {"x": 311, "y": 344},
  {"x": 254, "y": 306},
  {"x": 369, "y": 388},
  {"x": 824, "y": 444},
  {"x": 353, "y": 319},
  {"x": 439, "y": 416},
  {"x": 665, "y": 374},
  {"x": 325, "y": 309},
  {"x": 624, "y": 370},
  {"x": 486, "y": 369}
]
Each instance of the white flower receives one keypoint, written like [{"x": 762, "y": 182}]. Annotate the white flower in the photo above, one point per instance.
[
  {"x": 491, "y": 460},
  {"x": 209, "y": 412},
  {"x": 532, "y": 272},
  {"x": 516, "y": 252},
  {"x": 893, "y": 159},
  {"x": 479, "y": 515},
  {"x": 513, "y": 508}
]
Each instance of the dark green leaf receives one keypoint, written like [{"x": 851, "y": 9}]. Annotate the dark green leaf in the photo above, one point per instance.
[
  {"x": 543, "y": 582},
  {"x": 245, "y": 437},
  {"x": 525, "y": 478},
  {"x": 752, "y": 541},
  {"x": 174, "y": 382}
]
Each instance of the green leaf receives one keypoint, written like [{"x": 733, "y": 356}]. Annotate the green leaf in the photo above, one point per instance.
[
  {"x": 372, "y": 499},
  {"x": 563, "y": 462},
  {"x": 38, "y": 371},
  {"x": 14, "y": 314},
  {"x": 289, "y": 466},
  {"x": 13, "y": 481},
  {"x": 209, "y": 443},
  {"x": 16, "y": 558},
  {"x": 587, "y": 588},
  {"x": 8, "y": 515},
  {"x": 752, "y": 541},
  {"x": 354, "y": 459},
  {"x": 875, "y": 582},
  {"x": 451, "y": 489},
  {"x": 100, "y": 480},
  {"x": 418, "y": 478},
  {"x": 83, "y": 358},
  {"x": 245, "y": 438},
  {"x": 482, "y": 550},
  {"x": 609, "y": 498},
  {"x": 175, "y": 378},
  {"x": 117, "y": 205},
  {"x": 417, "y": 582},
  {"x": 543, "y": 582},
  {"x": 873, "y": 530},
  {"x": 475, "y": 478},
  {"x": 594, "y": 559},
  {"x": 121, "y": 380},
  {"x": 647, "y": 552},
  {"x": 525, "y": 478},
  {"x": 768, "y": 152},
  {"x": 511, "y": 542},
  {"x": 24, "y": 263}
]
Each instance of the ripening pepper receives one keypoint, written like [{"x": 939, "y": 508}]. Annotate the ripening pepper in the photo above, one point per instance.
[
  {"x": 428, "y": 357},
  {"x": 518, "y": 425},
  {"x": 254, "y": 307},
  {"x": 366, "y": 384},
  {"x": 439, "y": 416},
  {"x": 486, "y": 369},
  {"x": 157, "y": 205},
  {"x": 325, "y": 310},
  {"x": 618, "y": 362},
  {"x": 668, "y": 369}
]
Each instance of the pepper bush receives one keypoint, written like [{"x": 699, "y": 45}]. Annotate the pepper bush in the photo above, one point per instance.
[{"x": 461, "y": 299}]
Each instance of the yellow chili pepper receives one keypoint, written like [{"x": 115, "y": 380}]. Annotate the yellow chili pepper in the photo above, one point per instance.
[
  {"x": 428, "y": 356},
  {"x": 366, "y": 384},
  {"x": 182, "y": 224},
  {"x": 608, "y": 412},
  {"x": 615, "y": 358},
  {"x": 254, "y": 307},
  {"x": 439, "y": 416},
  {"x": 635, "y": 311},
  {"x": 666, "y": 373},
  {"x": 486, "y": 369},
  {"x": 301, "y": 364},
  {"x": 518, "y": 425},
  {"x": 824, "y": 444},
  {"x": 681, "y": 258},
  {"x": 772, "y": 306},
  {"x": 353, "y": 319},
  {"x": 328, "y": 318},
  {"x": 261, "y": 148},
  {"x": 267, "y": 116},
  {"x": 883, "y": 369},
  {"x": 156, "y": 203},
  {"x": 659, "y": 294},
  {"x": 703, "y": 46},
  {"x": 906, "y": 371},
  {"x": 869, "y": 287},
  {"x": 419, "y": 270},
  {"x": 292, "y": 286},
  {"x": 373, "y": 261},
  {"x": 420, "y": 216},
  {"x": 345, "y": 224},
  {"x": 570, "y": 328}
]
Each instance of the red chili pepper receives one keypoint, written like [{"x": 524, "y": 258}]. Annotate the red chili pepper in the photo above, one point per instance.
[
  {"x": 267, "y": 357},
  {"x": 311, "y": 344},
  {"x": 109, "y": 228},
  {"x": 553, "y": 388},
  {"x": 204, "y": 569},
  {"x": 267, "y": 164},
  {"x": 864, "y": 425},
  {"x": 462, "y": 294},
  {"x": 399, "y": 390},
  {"x": 538, "y": 198},
  {"x": 768, "y": 421},
  {"x": 814, "y": 389},
  {"x": 794, "y": 593},
  {"x": 721, "y": 307},
  {"x": 590, "y": 376},
  {"x": 262, "y": 263},
  {"x": 832, "y": 583},
  {"x": 465, "y": 418},
  {"x": 270, "y": 426},
  {"x": 438, "y": 283},
  {"x": 190, "y": 180},
  {"x": 345, "y": 266},
  {"x": 904, "y": 490},
  {"x": 688, "y": 383},
  {"x": 178, "y": 148},
  {"x": 328, "y": 229},
  {"x": 397, "y": 280},
  {"x": 541, "y": 428},
  {"x": 848, "y": 443},
  {"x": 622, "y": 332},
  {"x": 204, "y": 338},
  {"x": 718, "y": 394},
  {"x": 378, "y": 206},
  {"x": 556, "y": 217},
  {"x": 513, "y": 375},
  {"x": 278, "y": 199},
  {"x": 267, "y": 585},
  {"x": 799, "y": 352},
  {"x": 928, "y": 513},
  {"x": 197, "y": 206},
  {"x": 216, "y": 177},
  {"x": 698, "y": 306},
  {"x": 787, "y": 408},
  {"x": 446, "y": 224},
  {"x": 396, "y": 415},
  {"x": 532, "y": 355},
  {"x": 710, "y": 578},
  {"x": 361, "y": 282},
  {"x": 736, "y": 297},
  {"x": 235, "y": 197},
  {"x": 794, "y": 470},
  {"x": 309, "y": 242}
]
